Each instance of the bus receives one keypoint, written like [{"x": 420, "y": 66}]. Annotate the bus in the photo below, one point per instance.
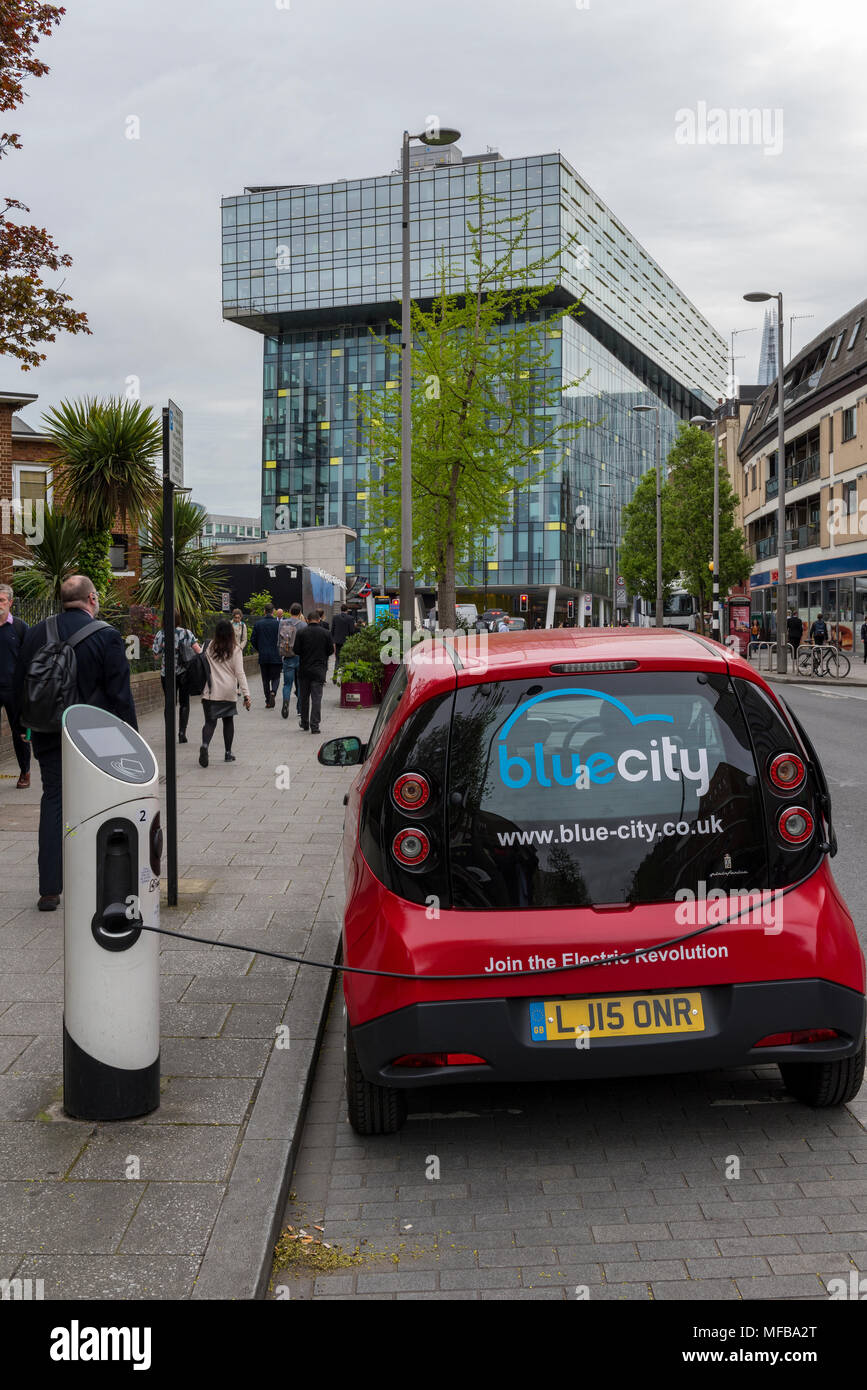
[{"x": 679, "y": 609}]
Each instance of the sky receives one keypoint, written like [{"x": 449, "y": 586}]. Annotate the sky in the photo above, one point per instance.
[{"x": 228, "y": 93}]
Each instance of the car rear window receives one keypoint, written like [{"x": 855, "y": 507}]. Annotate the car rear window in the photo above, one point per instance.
[{"x": 601, "y": 789}]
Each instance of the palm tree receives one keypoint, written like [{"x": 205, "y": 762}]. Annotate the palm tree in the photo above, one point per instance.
[
  {"x": 197, "y": 581},
  {"x": 52, "y": 560},
  {"x": 108, "y": 450}
]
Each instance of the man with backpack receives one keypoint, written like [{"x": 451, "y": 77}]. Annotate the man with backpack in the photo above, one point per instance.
[
  {"x": 286, "y": 647},
  {"x": 186, "y": 647},
  {"x": 69, "y": 659},
  {"x": 819, "y": 631}
]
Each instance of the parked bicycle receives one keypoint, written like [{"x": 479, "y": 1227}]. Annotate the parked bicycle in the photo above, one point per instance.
[{"x": 822, "y": 661}]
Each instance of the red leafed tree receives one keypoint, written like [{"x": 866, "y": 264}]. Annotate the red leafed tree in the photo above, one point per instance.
[{"x": 31, "y": 312}]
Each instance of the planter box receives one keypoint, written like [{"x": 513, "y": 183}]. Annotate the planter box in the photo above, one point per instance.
[{"x": 358, "y": 695}]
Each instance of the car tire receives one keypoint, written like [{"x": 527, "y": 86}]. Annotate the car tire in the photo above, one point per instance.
[
  {"x": 821, "y": 1084},
  {"x": 372, "y": 1109}
]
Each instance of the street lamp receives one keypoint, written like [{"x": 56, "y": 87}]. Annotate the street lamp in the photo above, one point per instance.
[
  {"x": 644, "y": 409},
  {"x": 613, "y": 551},
  {"x": 706, "y": 420},
  {"x": 759, "y": 297},
  {"x": 434, "y": 134}
]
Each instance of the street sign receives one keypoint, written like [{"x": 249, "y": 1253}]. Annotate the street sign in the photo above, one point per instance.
[
  {"x": 176, "y": 444},
  {"x": 588, "y": 604},
  {"x": 225, "y": 597},
  {"x": 620, "y": 580},
  {"x": 621, "y": 600}
]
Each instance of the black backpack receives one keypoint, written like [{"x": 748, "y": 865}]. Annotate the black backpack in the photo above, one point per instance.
[{"x": 51, "y": 682}]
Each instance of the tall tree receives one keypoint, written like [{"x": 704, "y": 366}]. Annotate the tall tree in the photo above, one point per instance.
[
  {"x": 485, "y": 406},
  {"x": 689, "y": 518},
  {"x": 197, "y": 581},
  {"x": 638, "y": 548},
  {"x": 106, "y": 471},
  {"x": 31, "y": 312}
]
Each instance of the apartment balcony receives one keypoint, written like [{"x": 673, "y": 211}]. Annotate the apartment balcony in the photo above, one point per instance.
[
  {"x": 803, "y": 537},
  {"x": 802, "y": 471}
]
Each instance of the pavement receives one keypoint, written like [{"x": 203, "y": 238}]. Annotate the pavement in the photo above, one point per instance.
[
  {"x": 183, "y": 1203},
  {"x": 857, "y": 673}
]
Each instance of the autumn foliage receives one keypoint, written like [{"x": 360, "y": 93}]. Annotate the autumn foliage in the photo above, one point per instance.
[{"x": 31, "y": 311}]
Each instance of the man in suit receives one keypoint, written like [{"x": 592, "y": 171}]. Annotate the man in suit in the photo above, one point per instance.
[
  {"x": 342, "y": 627},
  {"x": 265, "y": 641},
  {"x": 12, "y": 633},
  {"x": 313, "y": 645},
  {"x": 103, "y": 681}
]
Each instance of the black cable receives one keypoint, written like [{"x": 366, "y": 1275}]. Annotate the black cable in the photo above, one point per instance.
[{"x": 504, "y": 975}]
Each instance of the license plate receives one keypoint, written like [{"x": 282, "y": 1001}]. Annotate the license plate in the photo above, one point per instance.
[{"x": 624, "y": 1016}]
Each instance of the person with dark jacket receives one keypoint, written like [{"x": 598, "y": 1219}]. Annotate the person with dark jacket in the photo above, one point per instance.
[
  {"x": 342, "y": 626},
  {"x": 265, "y": 641},
  {"x": 12, "y": 633},
  {"x": 864, "y": 639},
  {"x": 313, "y": 646},
  {"x": 103, "y": 681},
  {"x": 794, "y": 631}
]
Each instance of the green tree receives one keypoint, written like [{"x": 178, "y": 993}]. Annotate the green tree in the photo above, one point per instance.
[
  {"x": 52, "y": 560},
  {"x": 486, "y": 406},
  {"x": 638, "y": 547},
  {"x": 31, "y": 312},
  {"x": 106, "y": 470},
  {"x": 197, "y": 579},
  {"x": 688, "y": 518},
  {"x": 256, "y": 603}
]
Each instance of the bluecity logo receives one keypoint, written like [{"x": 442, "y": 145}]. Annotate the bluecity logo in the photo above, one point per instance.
[{"x": 658, "y": 760}]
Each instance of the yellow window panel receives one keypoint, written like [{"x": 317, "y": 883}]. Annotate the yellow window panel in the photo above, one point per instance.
[
  {"x": 349, "y": 569},
  {"x": 390, "y": 385},
  {"x": 284, "y": 392},
  {"x": 523, "y": 375},
  {"x": 270, "y": 463},
  {"x": 325, "y": 424},
  {"x": 336, "y": 460},
  {"x": 492, "y": 564},
  {"x": 361, "y": 496},
  {"x": 282, "y": 499},
  {"x": 337, "y": 352},
  {"x": 555, "y": 334}
]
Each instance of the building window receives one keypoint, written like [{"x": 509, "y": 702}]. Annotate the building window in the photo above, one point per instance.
[
  {"x": 848, "y": 424},
  {"x": 117, "y": 553},
  {"x": 850, "y": 498},
  {"x": 31, "y": 482},
  {"x": 830, "y": 434},
  {"x": 855, "y": 331},
  {"x": 837, "y": 346}
]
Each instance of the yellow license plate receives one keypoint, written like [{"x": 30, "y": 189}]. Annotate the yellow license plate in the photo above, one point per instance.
[{"x": 622, "y": 1016}]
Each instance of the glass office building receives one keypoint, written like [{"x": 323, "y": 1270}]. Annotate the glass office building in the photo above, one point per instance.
[{"x": 315, "y": 268}]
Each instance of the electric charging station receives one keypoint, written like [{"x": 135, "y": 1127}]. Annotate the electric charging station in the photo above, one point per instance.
[{"x": 112, "y": 846}]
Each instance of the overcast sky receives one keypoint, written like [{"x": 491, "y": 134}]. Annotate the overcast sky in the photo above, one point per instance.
[{"x": 235, "y": 92}]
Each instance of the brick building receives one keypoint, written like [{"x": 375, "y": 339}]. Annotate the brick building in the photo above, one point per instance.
[{"x": 27, "y": 460}]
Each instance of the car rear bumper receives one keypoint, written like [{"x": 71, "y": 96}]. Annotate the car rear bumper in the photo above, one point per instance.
[{"x": 736, "y": 1017}]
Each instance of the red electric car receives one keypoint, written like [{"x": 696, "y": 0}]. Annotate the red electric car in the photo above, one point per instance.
[{"x": 585, "y": 853}]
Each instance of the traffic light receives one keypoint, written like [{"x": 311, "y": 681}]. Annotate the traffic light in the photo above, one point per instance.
[
  {"x": 570, "y": 609},
  {"x": 524, "y": 603}
]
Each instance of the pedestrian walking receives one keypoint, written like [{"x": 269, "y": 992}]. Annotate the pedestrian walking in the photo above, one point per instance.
[
  {"x": 102, "y": 680},
  {"x": 219, "y": 698},
  {"x": 286, "y": 646},
  {"x": 265, "y": 641},
  {"x": 864, "y": 638},
  {"x": 314, "y": 646},
  {"x": 12, "y": 634},
  {"x": 185, "y": 646},
  {"x": 504, "y": 625},
  {"x": 239, "y": 627},
  {"x": 819, "y": 631},
  {"x": 342, "y": 627},
  {"x": 794, "y": 630}
]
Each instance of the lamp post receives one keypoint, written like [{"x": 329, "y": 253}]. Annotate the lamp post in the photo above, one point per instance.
[
  {"x": 644, "y": 409},
  {"x": 714, "y": 421},
  {"x": 434, "y": 134},
  {"x": 759, "y": 297},
  {"x": 613, "y": 488}
]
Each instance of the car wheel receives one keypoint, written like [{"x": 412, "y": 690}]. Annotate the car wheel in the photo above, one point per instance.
[
  {"x": 821, "y": 1084},
  {"x": 372, "y": 1109}
]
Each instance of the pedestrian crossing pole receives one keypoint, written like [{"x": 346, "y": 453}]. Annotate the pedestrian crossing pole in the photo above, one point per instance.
[{"x": 171, "y": 838}]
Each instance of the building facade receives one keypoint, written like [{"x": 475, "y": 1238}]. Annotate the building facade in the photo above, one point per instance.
[
  {"x": 231, "y": 530},
  {"x": 825, "y": 405},
  {"x": 317, "y": 271}
]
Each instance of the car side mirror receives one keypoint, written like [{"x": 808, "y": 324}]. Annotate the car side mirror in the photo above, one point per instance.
[{"x": 342, "y": 752}]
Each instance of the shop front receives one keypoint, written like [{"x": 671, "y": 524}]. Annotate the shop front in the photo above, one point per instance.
[{"x": 841, "y": 598}]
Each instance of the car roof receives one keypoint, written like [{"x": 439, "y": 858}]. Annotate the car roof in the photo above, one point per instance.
[{"x": 505, "y": 655}]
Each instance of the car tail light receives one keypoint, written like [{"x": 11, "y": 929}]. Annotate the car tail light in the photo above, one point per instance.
[
  {"x": 800, "y": 1035},
  {"x": 795, "y": 825},
  {"x": 564, "y": 667},
  {"x": 410, "y": 847},
  {"x": 787, "y": 771},
  {"x": 411, "y": 791},
  {"x": 439, "y": 1059}
]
